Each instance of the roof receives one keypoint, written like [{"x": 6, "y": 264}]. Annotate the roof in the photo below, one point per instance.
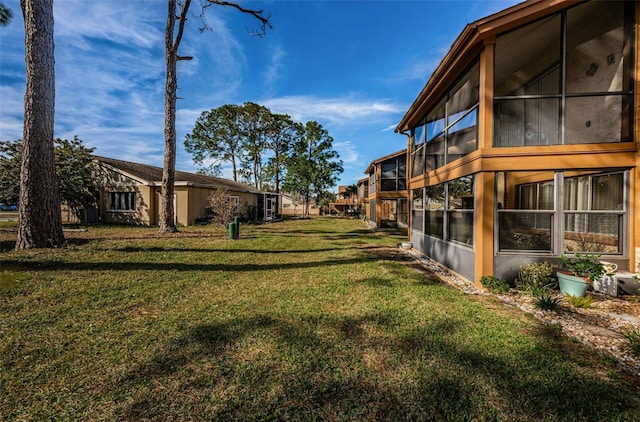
[
  {"x": 386, "y": 157},
  {"x": 152, "y": 176},
  {"x": 467, "y": 46}
]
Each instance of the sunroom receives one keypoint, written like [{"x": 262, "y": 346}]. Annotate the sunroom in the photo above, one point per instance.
[{"x": 522, "y": 142}]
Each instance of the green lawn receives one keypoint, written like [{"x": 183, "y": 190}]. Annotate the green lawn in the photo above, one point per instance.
[{"x": 302, "y": 320}]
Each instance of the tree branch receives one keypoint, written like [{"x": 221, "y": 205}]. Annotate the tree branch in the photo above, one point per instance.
[
  {"x": 182, "y": 20},
  {"x": 258, "y": 14}
]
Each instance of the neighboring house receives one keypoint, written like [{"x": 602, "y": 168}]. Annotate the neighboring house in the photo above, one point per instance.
[
  {"x": 130, "y": 194},
  {"x": 345, "y": 203},
  {"x": 295, "y": 206},
  {"x": 524, "y": 143},
  {"x": 387, "y": 191},
  {"x": 363, "y": 196}
]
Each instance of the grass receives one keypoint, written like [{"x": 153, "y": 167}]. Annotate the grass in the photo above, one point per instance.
[{"x": 303, "y": 320}]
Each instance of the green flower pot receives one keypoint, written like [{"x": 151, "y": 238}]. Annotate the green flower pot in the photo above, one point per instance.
[{"x": 572, "y": 285}]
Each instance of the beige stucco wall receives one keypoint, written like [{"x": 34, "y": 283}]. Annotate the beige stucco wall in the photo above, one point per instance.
[{"x": 115, "y": 182}]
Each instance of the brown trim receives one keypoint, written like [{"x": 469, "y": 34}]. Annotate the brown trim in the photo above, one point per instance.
[
  {"x": 483, "y": 224},
  {"x": 616, "y": 155}
]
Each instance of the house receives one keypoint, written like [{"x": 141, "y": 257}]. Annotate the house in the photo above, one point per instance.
[
  {"x": 362, "y": 187},
  {"x": 294, "y": 205},
  {"x": 524, "y": 143},
  {"x": 130, "y": 194},
  {"x": 346, "y": 201},
  {"x": 387, "y": 191}
]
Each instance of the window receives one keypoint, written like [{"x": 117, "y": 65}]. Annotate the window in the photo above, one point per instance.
[
  {"x": 566, "y": 78},
  {"x": 525, "y": 210},
  {"x": 393, "y": 174},
  {"x": 449, "y": 129},
  {"x": 417, "y": 210},
  {"x": 589, "y": 211},
  {"x": 460, "y": 206},
  {"x": 122, "y": 201},
  {"x": 594, "y": 212},
  {"x": 235, "y": 201},
  {"x": 434, "y": 210},
  {"x": 448, "y": 210}
]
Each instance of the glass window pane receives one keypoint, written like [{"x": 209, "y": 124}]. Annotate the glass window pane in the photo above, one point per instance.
[
  {"x": 524, "y": 231},
  {"x": 434, "y": 197},
  {"x": 594, "y": 119},
  {"x": 464, "y": 95},
  {"x": 595, "y": 45},
  {"x": 527, "y": 54},
  {"x": 608, "y": 192},
  {"x": 418, "y": 200},
  {"x": 434, "y": 154},
  {"x": 461, "y": 193},
  {"x": 418, "y": 135},
  {"x": 527, "y": 122},
  {"x": 436, "y": 121},
  {"x": 461, "y": 227},
  {"x": 576, "y": 193},
  {"x": 434, "y": 223},
  {"x": 402, "y": 166},
  {"x": 417, "y": 162},
  {"x": 461, "y": 139},
  {"x": 388, "y": 185},
  {"x": 402, "y": 211},
  {"x": 417, "y": 220},
  {"x": 592, "y": 232},
  {"x": 389, "y": 169}
]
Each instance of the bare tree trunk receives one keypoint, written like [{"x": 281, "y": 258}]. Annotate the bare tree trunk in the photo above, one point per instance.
[
  {"x": 167, "y": 211},
  {"x": 40, "y": 223},
  {"x": 167, "y": 220}
]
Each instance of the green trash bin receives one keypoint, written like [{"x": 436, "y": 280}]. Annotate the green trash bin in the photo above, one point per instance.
[
  {"x": 236, "y": 221},
  {"x": 233, "y": 230}
]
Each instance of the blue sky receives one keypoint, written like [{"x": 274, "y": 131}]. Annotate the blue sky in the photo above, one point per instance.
[{"x": 353, "y": 66}]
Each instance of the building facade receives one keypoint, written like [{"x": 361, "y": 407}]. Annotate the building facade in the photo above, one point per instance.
[
  {"x": 386, "y": 200},
  {"x": 523, "y": 145},
  {"x": 130, "y": 193}
]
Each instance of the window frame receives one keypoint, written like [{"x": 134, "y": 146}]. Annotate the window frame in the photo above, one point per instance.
[
  {"x": 118, "y": 198},
  {"x": 558, "y": 215}
]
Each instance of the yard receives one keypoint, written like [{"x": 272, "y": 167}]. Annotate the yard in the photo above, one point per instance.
[{"x": 300, "y": 320}]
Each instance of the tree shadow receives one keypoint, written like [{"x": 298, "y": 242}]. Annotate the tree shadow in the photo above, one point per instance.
[{"x": 325, "y": 367}]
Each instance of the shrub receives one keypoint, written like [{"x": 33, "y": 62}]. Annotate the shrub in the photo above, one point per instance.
[
  {"x": 535, "y": 276},
  {"x": 495, "y": 284},
  {"x": 546, "y": 301},
  {"x": 579, "y": 302},
  {"x": 633, "y": 341}
]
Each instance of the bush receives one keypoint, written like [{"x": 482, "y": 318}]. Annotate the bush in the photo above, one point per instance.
[
  {"x": 579, "y": 302},
  {"x": 495, "y": 284},
  {"x": 633, "y": 341},
  {"x": 546, "y": 301},
  {"x": 535, "y": 276}
]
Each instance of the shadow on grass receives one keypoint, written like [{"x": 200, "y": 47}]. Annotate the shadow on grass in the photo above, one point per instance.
[
  {"x": 367, "y": 368},
  {"x": 51, "y": 265}
]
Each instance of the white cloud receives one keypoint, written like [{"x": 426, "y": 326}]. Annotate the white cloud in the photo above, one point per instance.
[
  {"x": 272, "y": 73},
  {"x": 340, "y": 111},
  {"x": 348, "y": 151},
  {"x": 126, "y": 23}
]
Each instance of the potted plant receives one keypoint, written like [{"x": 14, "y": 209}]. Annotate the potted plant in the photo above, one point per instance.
[{"x": 578, "y": 272}]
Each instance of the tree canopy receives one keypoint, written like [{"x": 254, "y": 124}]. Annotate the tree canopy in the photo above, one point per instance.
[
  {"x": 254, "y": 141},
  {"x": 314, "y": 165},
  {"x": 74, "y": 169}
]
